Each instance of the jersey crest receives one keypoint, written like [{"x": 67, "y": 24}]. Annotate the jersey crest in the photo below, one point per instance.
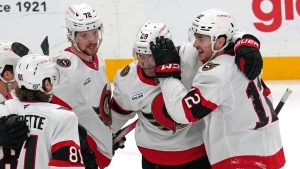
[
  {"x": 63, "y": 62},
  {"x": 160, "y": 117},
  {"x": 209, "y": 66},
  {"x": 125, "y": 71}
]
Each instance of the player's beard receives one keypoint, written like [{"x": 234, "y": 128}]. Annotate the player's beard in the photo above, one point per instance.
[
  {"x": 149, "y": 71},
  {"x": 91, "y": 49},
  {"x": 87, "y": 49}
]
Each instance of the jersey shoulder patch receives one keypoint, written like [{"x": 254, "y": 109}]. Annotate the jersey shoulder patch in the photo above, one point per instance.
[
  {"x": 64, "y": 62},
  {"x": 209, "y": 66},
  {"x": 124, "y": 72}
]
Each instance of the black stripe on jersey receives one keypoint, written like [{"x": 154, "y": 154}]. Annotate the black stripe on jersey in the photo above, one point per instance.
[
  {"x": 117, "y": 108},
  {"x": 194, "y": 103},
  {"x": 64, "y": 153}
]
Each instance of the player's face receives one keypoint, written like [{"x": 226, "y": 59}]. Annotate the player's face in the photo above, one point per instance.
[
  {"x": 203, "y": 45},
  {"x": 89, "y": 41},
  {"x": 147, "y": 63},
  {"x": 9, "y": 77}
]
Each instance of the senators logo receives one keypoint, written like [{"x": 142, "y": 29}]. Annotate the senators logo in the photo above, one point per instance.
[
  {"x": 64, "y": 62},
  {"x": 209, "y": 66},
  {"x": 125, "y": 71}
]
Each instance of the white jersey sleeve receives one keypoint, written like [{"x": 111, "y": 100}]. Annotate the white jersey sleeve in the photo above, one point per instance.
[
  {"x": 65, "y": 149},
  {"x": 121, "y": 107},
  {"x": 201, "y": 99}
]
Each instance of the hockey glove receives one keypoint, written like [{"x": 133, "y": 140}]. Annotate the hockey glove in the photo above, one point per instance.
[
  {"x": 120, "y": 144},
  {"x": 166, "y": 58},
  {"x": 248, "y": 57},
  {"x": 13, "y": 131},
  {"x": 89, "y": 158}
]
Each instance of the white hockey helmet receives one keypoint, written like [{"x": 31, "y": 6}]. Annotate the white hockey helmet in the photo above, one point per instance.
[
  {"x": 81, "y": 17},
  {"x": 214, "y": 22},
  {"x": 32, "y": 69},
  {"x": 147, "y": 33},
  {"x": 7, "y": 57}
]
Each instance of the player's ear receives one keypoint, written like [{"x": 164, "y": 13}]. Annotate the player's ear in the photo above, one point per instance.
[
  {"x": 47, "y": 86},
  {"x": 220, "y": 42}
]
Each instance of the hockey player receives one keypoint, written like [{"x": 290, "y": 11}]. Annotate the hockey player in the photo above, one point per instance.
[
  {"x": 53, "y": 140},
  {"x": 84, "y": 87},
  {"x": 8, "y": 61},
  {"x": 163, "y": 143},
  {"x": 13, "y": 132},
  {"x": 241, "y": 129}
]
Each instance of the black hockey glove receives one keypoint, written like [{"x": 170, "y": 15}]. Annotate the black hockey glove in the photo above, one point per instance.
[
  {"x": 120, "y": 144},
  {"x": 89, "y": 158},
  {"x": 13, "y": 131},
  {"x": 166, "y": 58},
  {"x": 248, "y": 57}
]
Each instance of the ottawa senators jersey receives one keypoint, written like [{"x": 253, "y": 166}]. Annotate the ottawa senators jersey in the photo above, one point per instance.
[
  {"x": 159, "y": 139},
  {"x": 241, "y": 129},
  {"x": 84, "y": 89},
  {"x": 53, "y": 141}
]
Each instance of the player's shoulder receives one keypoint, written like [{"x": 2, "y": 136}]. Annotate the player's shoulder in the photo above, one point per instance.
[
  {"x": 188, "y": 54},
  {"x": 221, "y": 67},
  {"x": 127, "y": 73},
  {"x": 56, "y": 112},
  {"x": 3, "y": 110},
  {"x": 66, "y": 61}
]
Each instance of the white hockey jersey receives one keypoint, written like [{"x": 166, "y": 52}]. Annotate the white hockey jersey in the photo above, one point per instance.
[
  {"x": 84, "y": 89},
  {"x": 159, "y": 140},
  {"x": 241, "y": 129},
  {"x": 53, "y": 141}
]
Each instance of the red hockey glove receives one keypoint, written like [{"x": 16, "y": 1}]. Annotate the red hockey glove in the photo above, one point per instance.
[{"x": 248, "y": 57}]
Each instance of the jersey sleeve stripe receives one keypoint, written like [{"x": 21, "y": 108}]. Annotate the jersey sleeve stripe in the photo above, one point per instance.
[
  {"x": 60, "y": 102},
  {"x": 117, "y": 108},
  {"x": 196, "y": 106},
  {"x": 66, "y": 143},
  {"x": 101, "y": 160}
]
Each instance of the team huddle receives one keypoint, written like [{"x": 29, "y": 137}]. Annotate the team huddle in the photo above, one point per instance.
[{"x": 200, "y": 105}]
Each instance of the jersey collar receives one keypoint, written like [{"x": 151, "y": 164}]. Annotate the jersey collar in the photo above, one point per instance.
[
  {"x": 144, "y": 78},
  {"x": 93, "y": 65}
]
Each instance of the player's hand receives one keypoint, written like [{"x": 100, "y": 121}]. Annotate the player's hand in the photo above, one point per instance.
[
  {"x": 166, "y": 58},
  {"x": 13, "y": 131},
  {"x": 248, "y": 57},
  {"x": 120, "y": 144},
  {"x": 89, "y": 158}
]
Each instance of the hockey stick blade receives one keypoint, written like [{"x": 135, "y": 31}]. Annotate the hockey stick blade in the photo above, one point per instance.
[
  {"x": 283, "y": 100},
  {"x": 124, "y": 131},
  {"x": 45, "y": 46},
  {"x": 19, "y": 49}
]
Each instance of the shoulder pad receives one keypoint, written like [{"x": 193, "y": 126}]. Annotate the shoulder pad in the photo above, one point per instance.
[{"x": 66, "y": 60}]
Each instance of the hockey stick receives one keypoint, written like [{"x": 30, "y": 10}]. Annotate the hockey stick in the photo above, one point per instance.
[
  {"x": 283, "y": 100},
  {"x": 19, "y": 49},
  {"x": 124, "y": 131},
  {"x": 45, "y": 46}
]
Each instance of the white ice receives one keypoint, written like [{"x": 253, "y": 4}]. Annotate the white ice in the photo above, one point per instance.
[{"x": 130, "y": 157}]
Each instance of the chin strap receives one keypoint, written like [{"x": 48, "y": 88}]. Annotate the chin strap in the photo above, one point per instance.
[
  {"x": 9, "y": 83},
  {"x": 215, "y": 51}
]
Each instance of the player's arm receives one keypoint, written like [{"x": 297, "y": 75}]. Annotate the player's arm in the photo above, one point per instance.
[
  {"x": 65, "y": 144},
  {"x": 182, "y": 105},
  {"x": 121, "y": 108}
]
